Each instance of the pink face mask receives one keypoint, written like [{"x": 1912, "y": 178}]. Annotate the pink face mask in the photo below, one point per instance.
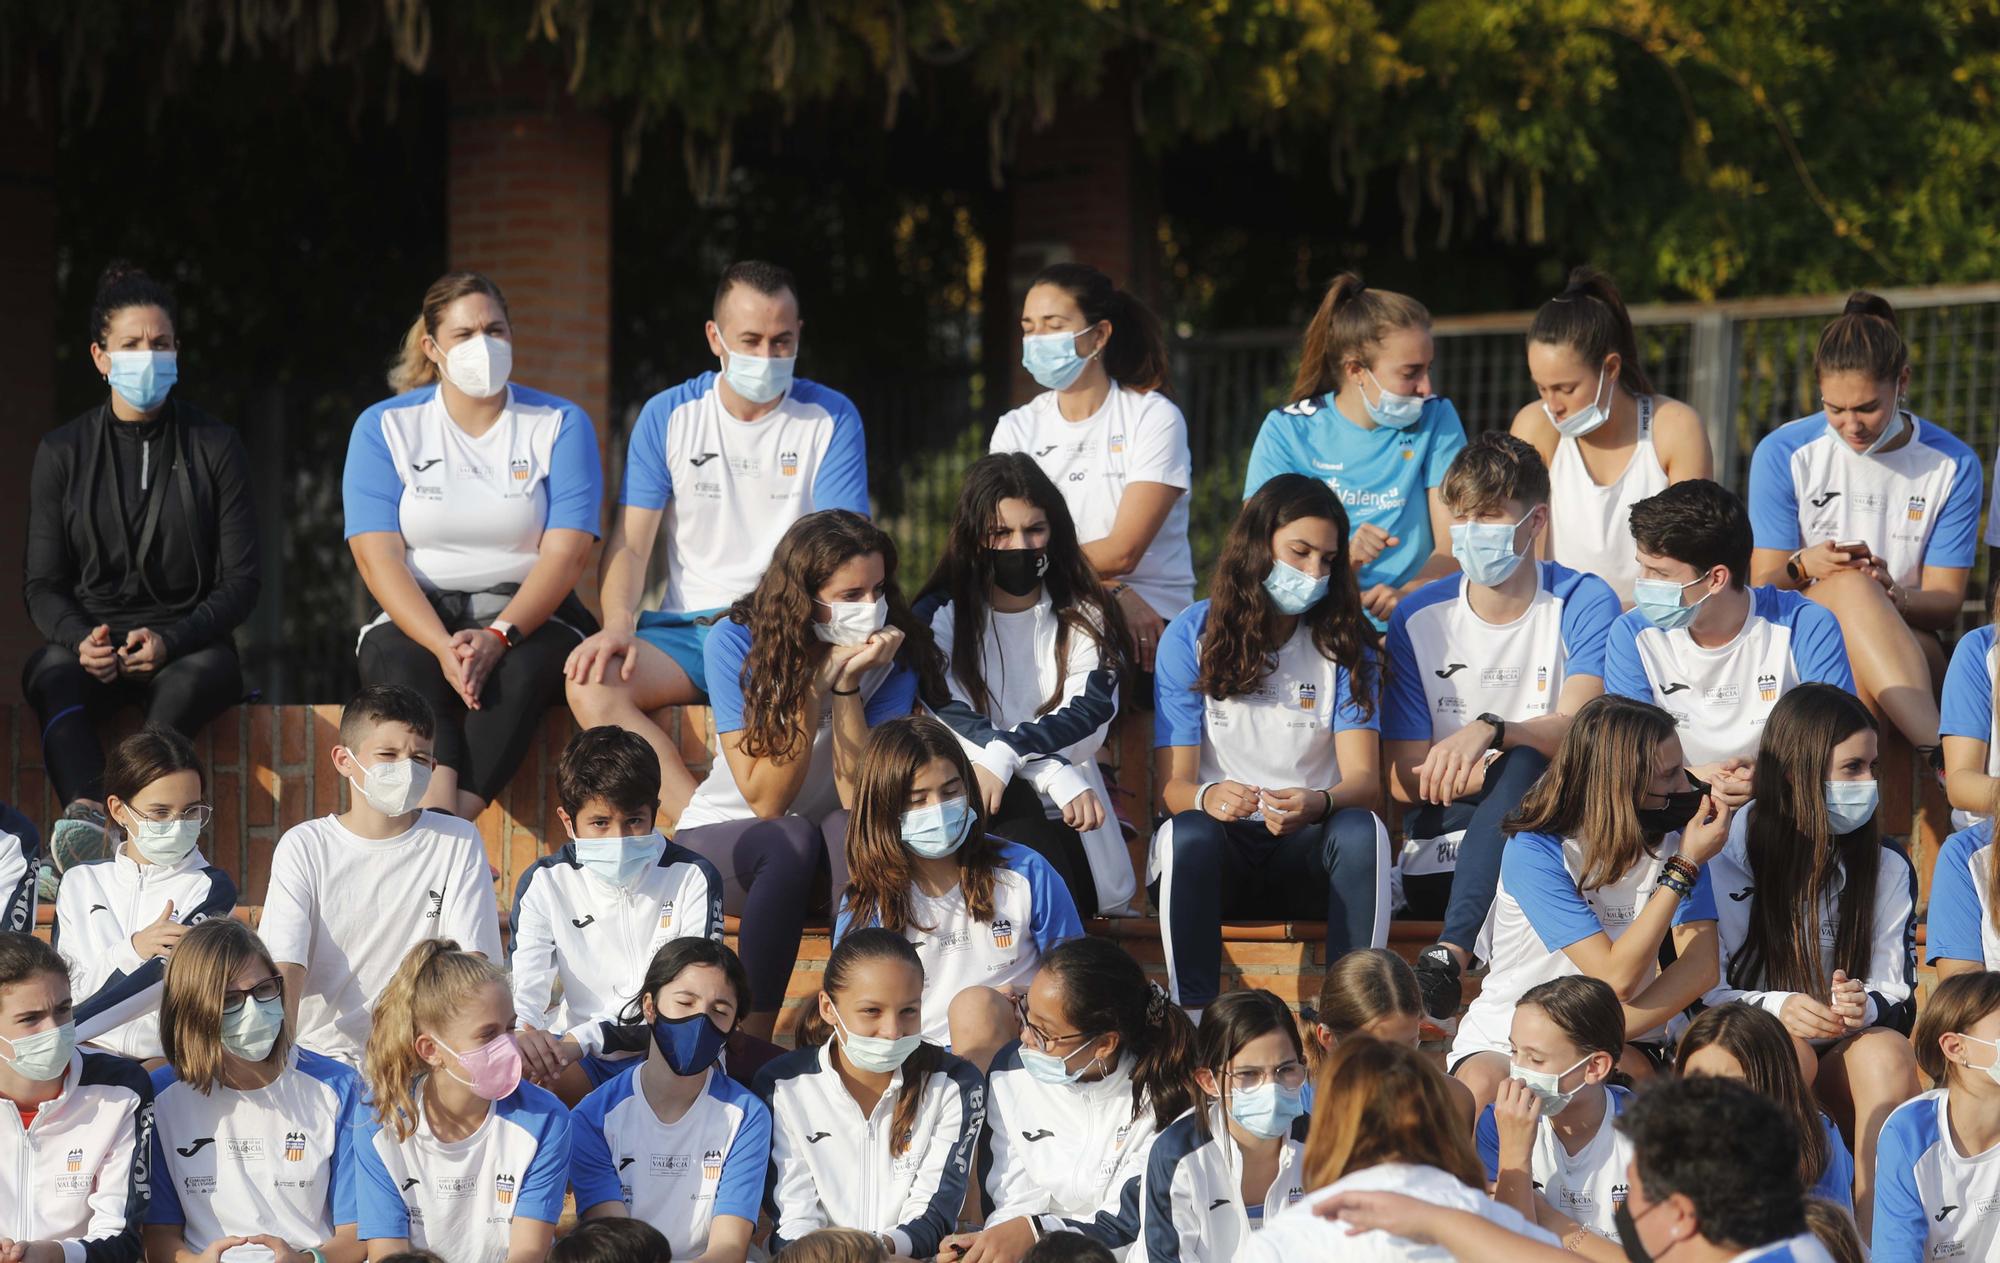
[{"x": 495, "y": 1067}]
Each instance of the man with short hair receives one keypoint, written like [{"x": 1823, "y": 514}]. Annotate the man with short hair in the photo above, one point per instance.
[
  {"x": 1699, "y": 643},
  {"x": 727, "y": 461},
  {"x": 1486, "y": 669}
]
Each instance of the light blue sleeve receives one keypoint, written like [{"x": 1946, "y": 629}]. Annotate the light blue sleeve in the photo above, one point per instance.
[
  {"x": 576, "y": 475},
  {"x": 1054, "y": 911},
  {"x": 648, "y": 483},
  {"x": 371, "y": 495},
  {"x": 1954, "y": 910},
  {"x": 1486, "y": 1138},
  {"x": 842, "y": 480},
  {"x": 1902, "y": 1222},
  {"x": 1624, "y": 670},
  {"x": 1700, "y": 905},
  {"x": 1954, "y": 541},
  {"x": 722, "y": 657},
  {"x": 1347, "y": 713},
  {"x": 1836, "y": 1183},
  {"x": 1270, "y": 455},
  {"x": 1177, "y": 710},
  {"x": 741, "y": 1189},
  {"x": 345, "y": 1199},
  {"x": 1967, "y": 710},
  {"x": 165, "y": 1208},
  {"x": 1532, "y": 867},
  {"x": 1819, "y": 651},
  {"x": 547, "y": 1176},
  {"x": 1405, "y": 713},
  {"x": 379, "y": 1205},
  {"x": 592, "y": 1173},
  {"x": 896, "y": 698},
  {"x": 1774, "y": 500},
  {"x": 1447, "y": 441},
  {"x": 1587, "y": 618}
]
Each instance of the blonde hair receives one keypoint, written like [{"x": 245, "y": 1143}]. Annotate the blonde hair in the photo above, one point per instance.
[
  {"x": 199, "y": 970},
  {"x": 429, "y": 987},
  {"x": 833, "y": 1245},
  {"x": 1347, "y": 329},
  {"x": 1379, "y": 1102},
  {"x": 412, "y": 368}
]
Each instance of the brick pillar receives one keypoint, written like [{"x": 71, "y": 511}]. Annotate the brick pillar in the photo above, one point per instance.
[
  {"x": 1083, "y": 191},
  {"x": 27, "y": 333},
  {"x": 528, "y": 197}
]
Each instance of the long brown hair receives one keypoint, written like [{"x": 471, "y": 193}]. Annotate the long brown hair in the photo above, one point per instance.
[
  {"x": 879, "y": 865},
  {"x": 963, "y": 572},
  {"x": 1379, "y": 1102},
  {"x": 426, "y": 991},
  {"x": 1797, "y": 862},
  {"x": 1240, "y": 640},
  {"x": 1761, "y": 1045},
  {"x": 1589, "y": 317},
  {"x": 784, "y": 653},
  {"x": 858, "y": 948},
  {"x": 411, "y": 367},
  {"x": 1136, "y": 356},
  {"x": 1954, "y": 1005},
  {"x": 200, "y": 968},
  {"x": 1350, "y": 324},
  {"x": 1102, "y": 989},
  {"x": 1590, "y": 791}
]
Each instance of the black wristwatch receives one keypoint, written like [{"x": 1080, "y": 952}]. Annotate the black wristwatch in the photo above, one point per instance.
[{"x": 1499, "y": 729}]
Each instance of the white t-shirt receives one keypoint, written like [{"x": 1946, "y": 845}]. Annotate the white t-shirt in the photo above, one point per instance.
[
  {"x": 1967, "y": 707},
  {"x": 1959, "y": 923},
  {"x": 1932, "y": 1201},
  {"x": 1588, "y": 1185},
  {"x": 732, "y": 488},
  {"x": 1134, "y": 437},
  {"x": 240, "y": 1162},
  {"x": 1299, "y": 1234},
  {"x": 1590, "y": 523},
  {"x": 349, "y": 908},
  {"x": 472, "y": 510}
]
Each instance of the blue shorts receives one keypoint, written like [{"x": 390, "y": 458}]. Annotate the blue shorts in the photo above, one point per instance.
[
  {"x": 676, "y": 634},
  {"x": 600, "y": 1069}
]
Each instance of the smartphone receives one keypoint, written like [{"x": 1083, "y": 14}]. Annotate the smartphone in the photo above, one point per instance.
[{"x": 1856, "y": 550}]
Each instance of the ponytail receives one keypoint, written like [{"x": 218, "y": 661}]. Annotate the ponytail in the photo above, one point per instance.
[
  {"x": 1589, "y": 317},
  {"x": 871, "y": 944},
  {"x": 1136, "y": 355},
  {"x": 1104, "y": 989},
  {"x": 433, "y": 982},
  {"x": 412, "y": 368},
  {"x": 1351, "y": 322},
  {"x": 1863, "y": 339},
  {"x": 123, "y": 285}
]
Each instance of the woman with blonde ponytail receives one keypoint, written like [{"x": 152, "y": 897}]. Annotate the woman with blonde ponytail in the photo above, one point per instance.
[
  {"x": 472, "y": 505},
  {"x": 1363, "y": 419},
  {"x": 459, "y": 1155}
]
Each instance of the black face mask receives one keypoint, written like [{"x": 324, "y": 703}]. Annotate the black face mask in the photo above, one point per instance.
[
  {"x": 1017, "y": 571},
  {"x": 1628, "y": 1234},
  {"x": 1679, "y": 809}
]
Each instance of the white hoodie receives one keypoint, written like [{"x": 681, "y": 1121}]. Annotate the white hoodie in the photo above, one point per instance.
[
  {"x": 1301, "y": 1234},
  {"x": 80, "y": 1173}
]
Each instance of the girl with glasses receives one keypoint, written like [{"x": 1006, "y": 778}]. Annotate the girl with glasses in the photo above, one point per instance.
[
  {"x": 251, "y": 1135},
  {"x": 1237, "y": 1156},
  {"x": 118, "y": 920}
]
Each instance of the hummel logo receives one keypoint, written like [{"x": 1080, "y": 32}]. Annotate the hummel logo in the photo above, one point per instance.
[
  {"x": 817, "y": 1136},
  {"x": 196, "y": 1147},
  {"x": 98, "y": 907},
  {"x": 703, "y": 459},
  {"x": 1040, "y": 1133},
  {"x": 421, "y": 466},
  {"x": 410, "y": 1184},
  {"x": 1738, "y": 896},
  {"x": 1672, "y": 689},
  {"x": 625, "y": 1162},
  {"x": 1450, "y": 670},
  {"x": 1942, "y": 1215},
  {"x": 1821, "y": 501},
  {"x": 1220, "y": 1201},
  {"x": 586, "y": 920}
]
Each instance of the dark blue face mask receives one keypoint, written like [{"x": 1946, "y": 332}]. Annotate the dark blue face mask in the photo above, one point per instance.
[{"x": 688, "y": 1044}]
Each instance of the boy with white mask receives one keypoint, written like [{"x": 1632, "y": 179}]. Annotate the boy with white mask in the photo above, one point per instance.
[
  {"x": 119, "y": 919},
  {"x": 350, "y": 893},
  {"x": 1486, "y": 669}
]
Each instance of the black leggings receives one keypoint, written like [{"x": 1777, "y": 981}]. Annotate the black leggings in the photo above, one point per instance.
[
  {"x": 483, "y": 746},
  {"x": 769, "y": 872},
  {"x": 184, "y": 695},
  {"x": 1022, "y": 819}
]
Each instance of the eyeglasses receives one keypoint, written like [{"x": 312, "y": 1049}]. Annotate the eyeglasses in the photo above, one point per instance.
[
  {"x": 270, "y": 989},
  {"x": 1041, "y": 1040},
  {"x": 200, "y": 813},
  {"x": 1290, "y": 1076}
]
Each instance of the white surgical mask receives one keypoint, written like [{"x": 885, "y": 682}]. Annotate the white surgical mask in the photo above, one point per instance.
[
  {"x": 480, "y": 365},
  {"x": 251, "y": 1030},
  {"x": 1851, "y": 804},
  {"x": 162, "y": 841},
  {"x": 1992, "y": 1068},
  {"x": 393, "y": 788},
  {"x": 872, "y": 1053},
  {"x": 1584, "y": 420},
  {"x": 759, "y": 378},
  {"x": 1546, "y": 1085},
  {"x": 853, "y": 621},
  {"x": 619, "y": 861},
  {"x": 41, "y": 1056}
]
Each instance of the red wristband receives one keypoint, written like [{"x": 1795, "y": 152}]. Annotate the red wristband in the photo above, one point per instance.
[{"x": 498, "y": 633}]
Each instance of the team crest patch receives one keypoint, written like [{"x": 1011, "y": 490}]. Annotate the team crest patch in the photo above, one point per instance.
[
  {"x": 73, "y": 1160},
  {"x": 1119, "y": 1137},
  {"x": 1295, "y": 1194},
  {"x": 788, "y": 464},
  {"x": 1917, "y": 504},
  {"x": 1308, "y": 694},
  {"x": 519, "y": 468},
  {"x": 667, "y": 915},
  {"x": 711, "y": 1165},
  {"x": 295, "y": 1146},
  {"x": 1541, "y": 679},
  {"x": 1767, "y": 687},
  {"x": 503, "y": 1188},
  {"x": 1003, "y": 932},
  {"x": 1618, "y": 1192},
  {"x": 1117, "y": 444}
]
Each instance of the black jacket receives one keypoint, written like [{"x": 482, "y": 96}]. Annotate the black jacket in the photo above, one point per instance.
[{"x": 198, "y": 574}]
